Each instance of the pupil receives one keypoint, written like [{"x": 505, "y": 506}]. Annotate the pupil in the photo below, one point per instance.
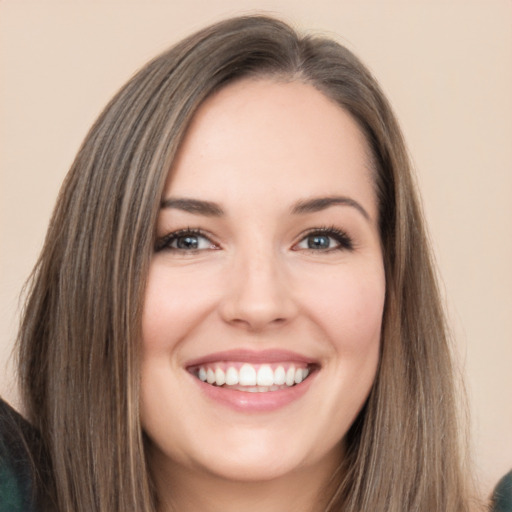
[
  {"x": 318, "y": 242},
  {"x": 187, "y": 242}
]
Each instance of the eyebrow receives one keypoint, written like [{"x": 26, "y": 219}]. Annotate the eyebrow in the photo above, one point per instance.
[
  {"x": 318, "y": 204},
  {"x": 196, "y": 206},
  {"x": 211, "y": 209}
]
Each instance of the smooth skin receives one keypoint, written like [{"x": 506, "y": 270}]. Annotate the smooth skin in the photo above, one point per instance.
[{"x": 262, "y": 274}]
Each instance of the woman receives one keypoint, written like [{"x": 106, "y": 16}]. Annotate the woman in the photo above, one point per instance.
[{"x": 235, "y": 306}]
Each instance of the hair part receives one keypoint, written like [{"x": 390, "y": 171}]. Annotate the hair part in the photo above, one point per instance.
[{"x": 79, "y": 340}]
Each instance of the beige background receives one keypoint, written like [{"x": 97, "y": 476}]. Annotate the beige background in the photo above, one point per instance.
[{"x": 446, "y": 67}]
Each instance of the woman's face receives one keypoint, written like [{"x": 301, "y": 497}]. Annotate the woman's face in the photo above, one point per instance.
[{"x": 263, "y": 308}]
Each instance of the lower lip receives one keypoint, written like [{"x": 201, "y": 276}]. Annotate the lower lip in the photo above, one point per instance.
[{"x": 244, "y": 401}]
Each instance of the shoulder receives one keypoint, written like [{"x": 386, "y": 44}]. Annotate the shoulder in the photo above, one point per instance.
[{"x": 16, "y": 466}]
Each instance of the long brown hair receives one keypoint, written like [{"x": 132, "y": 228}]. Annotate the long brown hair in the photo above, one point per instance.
[{"x": 80, "y": 333}]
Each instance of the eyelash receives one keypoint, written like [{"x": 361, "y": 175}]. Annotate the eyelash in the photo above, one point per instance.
[
  {"x": 342, "y": 239},
  {"x": 165, "y": 242}
]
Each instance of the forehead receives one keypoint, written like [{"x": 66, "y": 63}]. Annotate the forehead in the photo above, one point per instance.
[{"x": 263, "y": 136}]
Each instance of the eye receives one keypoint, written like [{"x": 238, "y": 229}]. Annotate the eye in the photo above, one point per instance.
[
  {"x": 185, "y": 240},
  {"x": 325, "y": 240}
]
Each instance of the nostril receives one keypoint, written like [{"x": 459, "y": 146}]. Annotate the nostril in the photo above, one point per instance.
[{"x": 257, "y": 323}]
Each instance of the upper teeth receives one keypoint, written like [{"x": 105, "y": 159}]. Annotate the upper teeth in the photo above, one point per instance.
[{"x": 252, "y": 375}]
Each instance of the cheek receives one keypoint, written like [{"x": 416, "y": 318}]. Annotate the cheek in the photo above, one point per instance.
[
  {"x": 348, "y": 306},
  {"x": 173, "y": 303}
]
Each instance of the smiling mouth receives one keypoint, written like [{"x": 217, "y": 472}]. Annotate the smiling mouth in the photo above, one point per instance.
[{"x": 252, "y": 378}]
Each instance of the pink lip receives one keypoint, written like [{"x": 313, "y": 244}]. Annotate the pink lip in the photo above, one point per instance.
[
  {"x": 244, "y": 401},
  {"x": 252, "y": 356}
]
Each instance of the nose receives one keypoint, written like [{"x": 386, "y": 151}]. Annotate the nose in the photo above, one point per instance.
[{"x": 258, "y": 293}]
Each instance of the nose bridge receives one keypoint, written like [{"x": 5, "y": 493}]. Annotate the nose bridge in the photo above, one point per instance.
[{"x": 258, "y": 292}]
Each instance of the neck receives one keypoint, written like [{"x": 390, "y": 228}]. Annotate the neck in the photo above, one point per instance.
[{"x": 187, "y": 490}]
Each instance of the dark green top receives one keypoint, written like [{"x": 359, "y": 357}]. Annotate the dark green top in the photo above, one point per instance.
[
  {"x": 16, "y": 476},
  {"x": 502, "y": 496}
]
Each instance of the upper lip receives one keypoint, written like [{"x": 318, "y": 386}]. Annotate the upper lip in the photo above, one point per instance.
[{"x": 252, "y": 356}]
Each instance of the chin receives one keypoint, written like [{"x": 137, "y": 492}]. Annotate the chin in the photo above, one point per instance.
[
  {"x": 257, "y": 464},
  {"x": 256, "y": 455}
]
